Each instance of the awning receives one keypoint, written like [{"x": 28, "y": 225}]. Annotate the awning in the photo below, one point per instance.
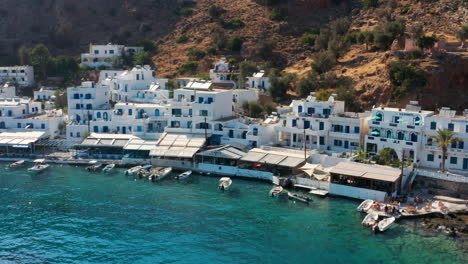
[{"x": 20, "y": 139}]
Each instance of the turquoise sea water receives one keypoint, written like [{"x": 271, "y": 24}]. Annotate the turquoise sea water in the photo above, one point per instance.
[{"x": 67, "y": 215}]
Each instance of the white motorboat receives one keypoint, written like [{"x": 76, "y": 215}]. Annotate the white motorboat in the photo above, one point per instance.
[
  {"x": 108, "y": 167},
  {"x": 385, "y": 224},
  {"x": 298, "y": 197},
  {"x": 365, "y": 206},
  {"x": 18, "y": 164},
  {"x": 133, "y": 170},
  {"x": 159, "y": 173},
  {"x": 39, "y": 165},
  {"x": 95, "y": 166},
  {"x": 224, "y": 183},
  {"x": 370, "y": 219},
  {"x": 183, "y": 175},
  {"x": 276, "y": 191}
]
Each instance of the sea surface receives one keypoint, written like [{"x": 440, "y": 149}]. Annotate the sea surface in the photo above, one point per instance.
[{"x": 67, "y": 215}]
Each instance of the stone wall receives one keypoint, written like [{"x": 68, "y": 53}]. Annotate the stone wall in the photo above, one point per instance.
[{"x": 441, "y": 187}]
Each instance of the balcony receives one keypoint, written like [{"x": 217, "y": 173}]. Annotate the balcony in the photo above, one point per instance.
[
  {"x": 344, "y": 135},
  {"x": 393, "y": 126}
]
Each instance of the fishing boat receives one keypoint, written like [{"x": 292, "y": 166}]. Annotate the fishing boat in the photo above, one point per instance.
[
  {"x": 370, "y": 219},
  {"x": 276, "y": 191},
  {"x": 365, "y": 206},
  {"x": 183, "y": 175},
  {"x": 384, "y": 224},
  {"x": 298, "y": 197},
  {"x": 133, "y": 170},
  {"x": 39, "y": 165},
  {"x": 159, "y": 173},
  {"x": 108, "y": 167},
  {"x": 18, "y": 164},
  {"x": 224, "y": 183}
]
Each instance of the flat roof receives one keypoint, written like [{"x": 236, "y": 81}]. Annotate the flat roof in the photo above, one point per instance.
[
  {"x": 140, "y": 144},
  {"x": 20, "y": 139},
  {"x": 226, "y": 152},
  {"x": 106, "y": 140},
  {"x": 274, "y": 156},
  {"x": 372, "y": 172}
]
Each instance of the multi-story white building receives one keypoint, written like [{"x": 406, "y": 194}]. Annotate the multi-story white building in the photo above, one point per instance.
[
  {"x": 83, "y": 103},
  {"x": 7, "y": 90},
  {"x": 21, "y": 75},
  {"x": 103, "y": 55},
  {"x": 259, "y": 81},
  {"x": 137, "y": 85},
  {"x": 457, "y": 155},
  {"x": 223, "y": 73},
  {"x": 398, "y": 128},
  {"x": 347, "y": 131},
  {"x": 250, "y": 133},
  {"x": 45, "y": 94},
  {"x": 23, "y": 114}
]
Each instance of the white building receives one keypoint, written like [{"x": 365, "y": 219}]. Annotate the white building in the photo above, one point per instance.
[
  {"x": 223, "y": 73},
  {"x": 23, "y": 114},
  {"x": 45, "y": 94},
  {"x": 137, "y": 85},
  {"x": 397, "y": 128},
  {"x": 457, "y": 155},
  {"x": 249, "y": 133},
  {"x": 259, "y": 81},
  {"x": 7, "y": 90},
  {"x": 83, "y": 102},
  {"x": 103, "y": 55},
  {"x": 20, "y": 75}
]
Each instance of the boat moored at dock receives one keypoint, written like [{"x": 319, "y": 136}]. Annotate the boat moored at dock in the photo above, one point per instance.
[
  {"x": 365, "y": 205},
  {"x": 18, "y": 164},
  {"x": 39, "y": 166},
  {"x": 385, "y": 224},
  {"x": 133, "y": 170},
  {"x": 108, "y": 168},
  {"x": 183, "y": 175},
  {"x": 371, "y": 219},
  {"x": 159, "y": 173},
  {"x": 299, "y": 197},
  {"x": 276, "y": 191},
  {"x": 224, "y": 183}
]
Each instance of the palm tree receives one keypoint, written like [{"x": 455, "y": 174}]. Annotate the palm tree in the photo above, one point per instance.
[{"x": 444, "y": 139}]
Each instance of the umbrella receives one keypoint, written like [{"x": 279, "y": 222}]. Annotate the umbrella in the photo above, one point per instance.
[
  {"x": 375, "y": 133},
  {"x": 401, "y": 120}
]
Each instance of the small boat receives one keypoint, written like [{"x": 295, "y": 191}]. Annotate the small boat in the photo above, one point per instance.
[
  {"x": 370, "y": 219},
  {"x": 276, "y": 191},
  {"x": 39, "y": 165},
  {"x": 159, "y": 173},
  {"x": 319, "y": 192},
  {"x": 384, "y": 224},
  {"x": 183, "y": 175},
  {"x": 95, "y": 166},
  {"x": 298, "y": 197},
  {"x": 133, "y": 170},
  {"x": 224, "y": 183},
  {"x": 108, "y": 167},
  {"x": 365, "y": 206},
  {"x": 18, "y": 164}
]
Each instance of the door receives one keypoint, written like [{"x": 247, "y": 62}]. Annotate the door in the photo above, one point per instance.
[
  {"x": 346, "y": 144},
  {"x": 124, "y": 130},
  {"x": 465, "y": 163}
]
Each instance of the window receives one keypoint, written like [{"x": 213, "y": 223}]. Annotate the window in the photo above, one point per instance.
[
  {"x": 326, "y": 112},
  {"x": 453, "y": 145},
  {"x": 130, "y": 112},
  {"x": 401, "y": 135},
  {"x": 176, "y": 112},
  {"x": 96, "y": 51},
  {"x": 98, "y": 115},
  {"x": 88, "y": 96},
  {"x": 89, "y": 106},
  {"x": 76, "y": 96},
  {"x": 338, "y": 143},
  {"x": 111, "y": 51},
  {"x": 18, "y": 125},
  {"x": 138, "y": 77},
  {"x": 466, "y": 129},
  {"x": 396, "y": 119},
  {"x": 175, "y": 124},
  {"x": 356, "y": 130},
  {"x": 347, "y": 129},
  {"x": 321, "y": 126},
  {"x": 105, "y": 129},
  {"x": 139, "y": 129},
  {"x": 433, "y": 125},
  {"x": 430, "y": 157},
  {"x": 461, "y": 144},
  {"x": 311, "y": 110},
  {"x": 429, "y": 141},
  {"x": 453, "y": 160},
  {"x": 306, "y": 124},
  {"x": 294, "y": 123},
  {"x": 210, "y": 100},
  {"x": 322, "y": 141},
  {"x": 78, "y": 134},
  {"x": 417, "y": 120},
  {"x": 42, "y": 126},
  {"x": 378, "y": 117},
  {"x": 450, "y": 126},
  {"x": 299, "y": 109},
  {"x": 96, "y": 129},
  {"x": 77, "y": 106},
  {"x": 200, "y": 100}
]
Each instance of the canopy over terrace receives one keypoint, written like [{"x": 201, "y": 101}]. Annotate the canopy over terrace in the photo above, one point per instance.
[
  {"x": 224, "y": 155},
  {"x": 281, "y": 160},
  {"x": 366, "y": 176},
  {"x": 19, "y": 140},
  {"x": 177, "y": 146},
  {"x": 139, "y": 148},
  {"x": 96, "y": 140}
]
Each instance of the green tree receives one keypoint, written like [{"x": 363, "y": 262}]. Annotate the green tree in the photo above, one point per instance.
[
  {"x": 322, "y": 95},
  {"x": 388, "y": 157},
  {"x": 308, "y": 38},
  {"x": 40, "y": 59},
  {"x": 196, "y": 54},
  {"x": 278, "y": 14},
  {"x": 255, "y": 109},
  {"x": 323, "y": 62},
  {"x": 219, "y": 38},
  {"x": 216, "y": 11},
  {"x": 307, "y": 85},
  {"x": 427, "y": 42},
  {"x": 142, "y": 58},
  {"x": 395, "y": 29},
  {"x": 64, "y": 66},
  {"x": 182, "y": 38},
  {"x": 404, "y": 78},
  {"x": 366, "y": 4},
  {"x": 189, "y": 67},
  {"x": 444, "y": 139},
  {"x": 416, "y": 31},
  {"x": 321, "y": 41},
  {"x": 280, "y": 84},
  {"x": 235, "y": 43},
  {"x": 149, "y": 46},
  {"x": 265, "y": 49},
  {"x": 269, "y": 108},
  {"x": 171, "y": 85}
]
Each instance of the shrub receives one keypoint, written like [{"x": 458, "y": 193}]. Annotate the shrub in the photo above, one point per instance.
[
  {"x": 395, "y": 29},
  {"x": 196, "y": 54},
  {"x": 323, "y": 62},
  {"x": 321, "y": 42},
  {"x": 142, "y": 58},
  {"x": 414, "y": 54},
  {"x": 280, "y": 84},
  {"x": 322, "y": 95},
  {"x": 235, "y": 43},
  {"x": 277, "y": 14},
  {"x": 366, "y": 4},
  {"x": 387, "y": 156},
  {"x": 189, "y": 67},
  {"x": 427, "y": 42},
  {"x": 269, "y": 108},
  {"x": 337, "y": 46},
  {"x": 307, "y": 85},
  {"x": 351, "y": 38},
  {"x": 186, "y": 11},
  {"x": 265, "y": 49},
  {"x": 340, "y": 26},
  {"x": 216, "y": 11},
  {"x": 308, "y": 38},
  {"x": 236, "y": 23},
  {"x": 246, "y": 68},
  {"x": 182, "y": 39},
  {"x": 255, "y": 109},
  {"x": 382, "y": 40},
  {"x": 404, "y": 10},
  {"x": 219, "y": 38},
  {"x": 149, "y": 46},
  {"x": 211, "y": 50}
]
